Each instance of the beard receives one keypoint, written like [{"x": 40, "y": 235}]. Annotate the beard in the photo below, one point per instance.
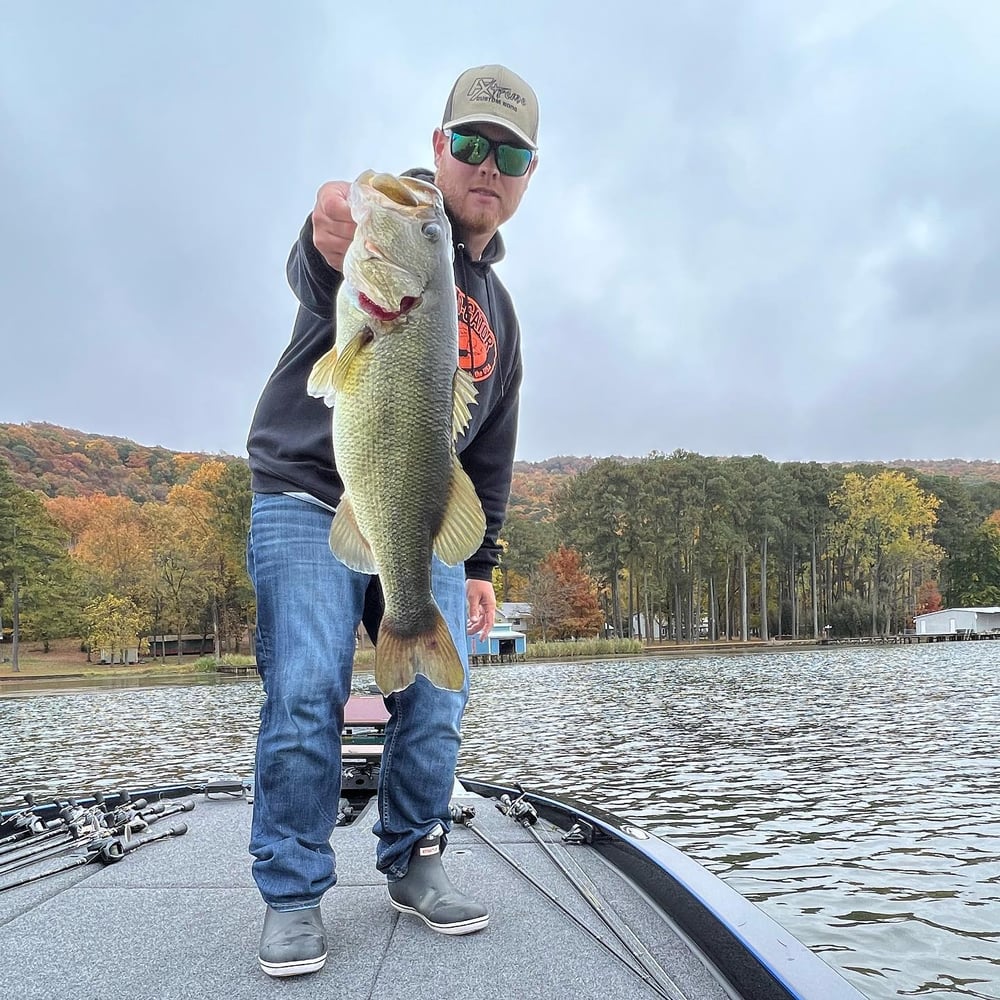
[{"x": 470, "y": 219}]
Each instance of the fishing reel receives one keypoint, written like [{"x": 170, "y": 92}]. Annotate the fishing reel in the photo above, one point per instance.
[{"x": 520, "y": 809}]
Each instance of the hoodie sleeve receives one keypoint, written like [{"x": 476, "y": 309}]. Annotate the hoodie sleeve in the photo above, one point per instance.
[
  {"x": 489, "y": 461},
  {"x": 310, "y": 277}
]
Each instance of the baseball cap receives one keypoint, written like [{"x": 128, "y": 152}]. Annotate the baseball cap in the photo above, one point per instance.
[{"x": 495, "y": 95}]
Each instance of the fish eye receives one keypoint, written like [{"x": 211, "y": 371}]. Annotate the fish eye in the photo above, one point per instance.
[{"x": 432, "y": 230}]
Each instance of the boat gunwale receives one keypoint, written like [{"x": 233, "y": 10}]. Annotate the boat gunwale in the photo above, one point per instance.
[{"x": 755, "y": 955}]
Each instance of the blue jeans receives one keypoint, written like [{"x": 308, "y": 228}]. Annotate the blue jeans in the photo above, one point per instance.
[{"x": 308, "y": 609}]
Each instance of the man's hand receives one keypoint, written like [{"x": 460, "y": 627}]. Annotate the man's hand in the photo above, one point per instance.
[
  {"x": 482, "y": 607},
  {"x": 333, "y": 225}
]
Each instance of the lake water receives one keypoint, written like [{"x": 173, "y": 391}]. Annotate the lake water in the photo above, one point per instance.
[{"x": 854, "y": 794}]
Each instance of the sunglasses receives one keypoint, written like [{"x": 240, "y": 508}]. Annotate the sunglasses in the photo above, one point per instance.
[{"x": 471, "y": 148}]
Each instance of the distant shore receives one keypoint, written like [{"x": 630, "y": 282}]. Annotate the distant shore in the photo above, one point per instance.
[{"x": 65, "y": 662}]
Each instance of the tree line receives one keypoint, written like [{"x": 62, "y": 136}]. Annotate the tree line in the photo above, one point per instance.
[
  {"x": 112, "y": 570},
  {"x": 667, "y": 547},
  {"x": 686, "y": 546}
]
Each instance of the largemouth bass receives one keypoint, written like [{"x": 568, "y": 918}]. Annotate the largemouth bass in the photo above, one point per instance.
[{"x": 399, "y": 402}]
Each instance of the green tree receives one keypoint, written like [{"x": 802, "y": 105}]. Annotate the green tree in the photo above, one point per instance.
[
  {"x": 526, "y": 543},
  {"x": 33, "y": 561},
  {"x": 595, "y": 515},
  {"x": 973, "y": 571}
]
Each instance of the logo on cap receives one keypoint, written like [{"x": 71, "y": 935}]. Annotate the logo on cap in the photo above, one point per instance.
[{"x": 486, "y": 88}]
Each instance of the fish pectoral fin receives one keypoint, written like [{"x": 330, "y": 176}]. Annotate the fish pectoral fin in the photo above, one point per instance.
[
  {"x": 398, "y": 658},
  {"x": 348, "y": 355},
  {"x": 464, "y": 393},
  {"x": 321, "y": 382},
  {"x": 330, "y": 374},
  {"x": 464, "y": 523},
  {"x": 347, "y": 543}
]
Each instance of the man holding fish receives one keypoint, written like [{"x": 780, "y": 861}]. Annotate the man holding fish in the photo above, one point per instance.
[{"x": 385, "y": 508}]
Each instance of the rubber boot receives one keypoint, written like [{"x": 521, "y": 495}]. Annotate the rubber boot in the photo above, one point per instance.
[
  {"x": 292, "y": 942},
  {"x": 426, "y": 892}
]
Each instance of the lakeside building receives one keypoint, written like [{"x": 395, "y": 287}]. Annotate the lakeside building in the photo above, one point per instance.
[{"x": 958, "y": 621}]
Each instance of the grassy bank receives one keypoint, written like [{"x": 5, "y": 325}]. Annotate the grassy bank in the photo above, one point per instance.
[{"x": 66, "y": 659}]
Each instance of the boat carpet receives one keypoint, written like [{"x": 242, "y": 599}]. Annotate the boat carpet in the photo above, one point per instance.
[{"x": 181, "y": 919}]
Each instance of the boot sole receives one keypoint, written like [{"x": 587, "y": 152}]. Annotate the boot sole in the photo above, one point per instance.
[
  {"x": 458, "y": 927},
  {"x": 279, "y": 970}
]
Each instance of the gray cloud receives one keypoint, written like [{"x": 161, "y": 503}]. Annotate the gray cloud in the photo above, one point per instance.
[{"x": 756, "y": 227}]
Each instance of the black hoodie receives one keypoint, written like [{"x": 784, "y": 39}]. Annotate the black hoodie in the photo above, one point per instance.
[{"x": 290, "y": 442}]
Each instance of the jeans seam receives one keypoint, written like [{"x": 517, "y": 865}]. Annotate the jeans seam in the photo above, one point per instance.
[{"x": 386, "y": 809}]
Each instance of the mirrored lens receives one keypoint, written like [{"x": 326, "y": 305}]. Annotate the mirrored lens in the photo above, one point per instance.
[
  {"x": 473, "y": 149},
  {"x": 469, "y": 148},
  {"x": 513, "y": 160}
]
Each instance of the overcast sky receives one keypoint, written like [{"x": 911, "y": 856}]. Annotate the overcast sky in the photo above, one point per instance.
[{"x": 768, "y": 226}]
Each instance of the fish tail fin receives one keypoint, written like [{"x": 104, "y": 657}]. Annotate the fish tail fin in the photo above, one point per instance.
[{"x": 399, "y": 658}]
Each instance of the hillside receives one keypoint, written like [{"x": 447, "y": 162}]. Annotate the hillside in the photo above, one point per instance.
[
  {"x": 63, "y": 462},
  {"x": 535, "y": 484}
]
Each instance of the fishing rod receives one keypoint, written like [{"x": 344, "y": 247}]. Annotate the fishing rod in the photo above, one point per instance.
[
  {"x": 71, "y": 823},
  {"x": 21, "y": 823},
  {"x": 107, "y": 850},
  {"x": 86, "y": 826},
  {"x": 82, "y": 826},
  {"x": 236, "y": 788},
  {"x": 465, "y": 815},
  {"x": 524, "y": 813}
]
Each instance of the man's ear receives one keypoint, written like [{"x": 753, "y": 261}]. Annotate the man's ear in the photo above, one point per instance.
[{"x": 440, "y": 141}]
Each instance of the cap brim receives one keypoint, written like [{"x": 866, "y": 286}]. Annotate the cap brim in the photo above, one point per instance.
[{"x": 492, "y": 120}]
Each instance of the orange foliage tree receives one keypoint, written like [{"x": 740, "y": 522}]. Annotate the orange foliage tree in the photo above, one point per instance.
[
  {"x": 564, "y": 597},
  {"x": 215, "y": 506},
  {"x": 110, "y": 541},
  {"x": 928, "y": 598}
]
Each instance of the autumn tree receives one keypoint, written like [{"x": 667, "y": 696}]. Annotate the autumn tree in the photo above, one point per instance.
[
  {"x": 549, "y": 606},
  {"x": 928, "y": 598},
  {"x": 563, "y": 598},
  {"x": 215, "y": 510},
  {"x": 114, "y": 545},
  {"x": 886, "y": 521},
  {"x": 115, "y": 623}
]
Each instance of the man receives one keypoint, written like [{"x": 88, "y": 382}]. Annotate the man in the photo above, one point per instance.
[{"x": 309, "y": 605}]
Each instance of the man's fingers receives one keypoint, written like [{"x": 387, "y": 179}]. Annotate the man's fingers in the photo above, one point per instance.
[{"x": 333, "y": 225}]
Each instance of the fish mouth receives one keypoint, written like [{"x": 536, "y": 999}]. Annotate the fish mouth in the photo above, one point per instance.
[
  {"x": 376, "y": 311},
  {"x": 399, "y": 192}
]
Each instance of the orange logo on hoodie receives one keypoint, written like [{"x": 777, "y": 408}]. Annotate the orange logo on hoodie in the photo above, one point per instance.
[{"x": 477, "y": 343}]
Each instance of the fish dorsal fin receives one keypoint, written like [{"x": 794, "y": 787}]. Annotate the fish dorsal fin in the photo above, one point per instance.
[
  {"x": 464, "y": 523},
  {"x": 464, "y": 393},
  {"x": 321, "y": 378},
  {"x": 347, "y": 543}
]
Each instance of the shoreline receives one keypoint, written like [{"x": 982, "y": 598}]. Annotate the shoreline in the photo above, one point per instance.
[{"x": 36, "y": 670}]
